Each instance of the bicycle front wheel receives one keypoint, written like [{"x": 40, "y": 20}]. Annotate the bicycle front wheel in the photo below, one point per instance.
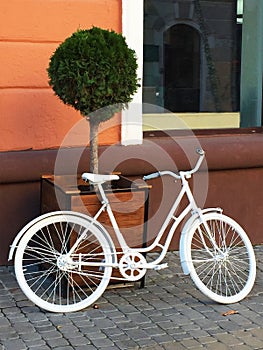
[
  {"x": 55, "y": 280},
  {"x": 221, "y": 258}
]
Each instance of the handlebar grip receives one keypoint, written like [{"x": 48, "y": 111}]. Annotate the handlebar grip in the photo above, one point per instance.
[{"x": 151, "y": 176}]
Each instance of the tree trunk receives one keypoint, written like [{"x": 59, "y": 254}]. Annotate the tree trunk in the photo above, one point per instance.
[{"x": 94, "y": 156}]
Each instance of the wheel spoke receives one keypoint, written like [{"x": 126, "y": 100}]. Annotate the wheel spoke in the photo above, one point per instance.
[
  {"x": 52, "y": 278},
  {"x": 222, "y": 260}
]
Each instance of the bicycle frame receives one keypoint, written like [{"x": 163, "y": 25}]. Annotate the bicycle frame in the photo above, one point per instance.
[
  {"x": 191, "y": 207},
  {"x": 185, "y": 190}
]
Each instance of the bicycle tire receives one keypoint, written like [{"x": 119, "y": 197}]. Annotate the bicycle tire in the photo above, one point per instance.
[
  {"x": 226, "y": 275},
  {"x": 39, "y": 259}
]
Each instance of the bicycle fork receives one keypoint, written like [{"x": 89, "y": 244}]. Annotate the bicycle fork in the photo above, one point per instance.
[{"x": 207, "y": 231}]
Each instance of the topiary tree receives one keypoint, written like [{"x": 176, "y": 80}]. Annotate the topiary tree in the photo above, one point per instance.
[{"x": 95, "y": 72}]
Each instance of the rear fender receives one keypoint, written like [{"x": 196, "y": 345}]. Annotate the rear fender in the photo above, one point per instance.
[{"x": 39, "y": 218}]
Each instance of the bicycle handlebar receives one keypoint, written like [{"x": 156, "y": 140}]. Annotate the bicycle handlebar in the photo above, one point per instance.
[{"x": 201, "y": 154}]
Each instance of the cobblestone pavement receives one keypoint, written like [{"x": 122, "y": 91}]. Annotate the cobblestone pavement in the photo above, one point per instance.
[{"x": 169, "y": 313}]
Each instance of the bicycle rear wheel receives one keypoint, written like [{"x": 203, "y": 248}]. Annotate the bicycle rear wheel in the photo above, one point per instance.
[
  {"x": 224, "y": 272},
  {"x": 51, "y": 279}
]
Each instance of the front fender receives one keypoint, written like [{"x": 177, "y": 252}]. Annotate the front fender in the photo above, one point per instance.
[{"x": 182, "y": 246}]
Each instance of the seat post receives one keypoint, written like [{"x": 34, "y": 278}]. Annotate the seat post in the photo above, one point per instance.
[{"x": 104, "y": 199}]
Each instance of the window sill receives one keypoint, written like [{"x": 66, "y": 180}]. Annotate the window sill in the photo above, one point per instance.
[{"x": 200, "y": 120}]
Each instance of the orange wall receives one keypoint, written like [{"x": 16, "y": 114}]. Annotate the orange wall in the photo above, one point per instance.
[{"x": 30, "y": 30}]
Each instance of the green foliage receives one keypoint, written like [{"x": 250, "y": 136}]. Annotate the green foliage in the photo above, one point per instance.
[{"x": 95, "y": 72}]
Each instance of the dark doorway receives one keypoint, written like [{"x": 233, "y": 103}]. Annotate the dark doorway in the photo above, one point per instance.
[{"x": 182, "y": 69}]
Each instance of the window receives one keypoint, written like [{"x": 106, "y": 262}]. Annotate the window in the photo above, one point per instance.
[{"x": 190, "y": 63}]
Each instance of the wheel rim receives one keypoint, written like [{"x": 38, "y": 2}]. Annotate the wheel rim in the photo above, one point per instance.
[
  {"x": 226, "y": 274},
  {"x": 51, "y": 281}
]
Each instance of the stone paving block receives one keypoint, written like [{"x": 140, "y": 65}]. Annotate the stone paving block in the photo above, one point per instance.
[
  {"x": 85, "y": 347},
  {"x": 213, "y": 332},
  {"x": 127, "y": 325},
  {"x": 82, "y": 323},
  {"x": 54, "y": 334},
  {"x": 154, "y": 330},
  {"x": 172, "y": 311},
  {"x": 160, "y": 304},
  {"x": 206, "y": 324},
  {"x": 90, "y": 331},
  {"x": 16, "y": 344},
  {"x": 161, "y": 339},
  {"x": 217, "y": 346},
  {"x": 193, "y": 314},
  {"x": 23, "y": 327},
  {"x": 104, "y": 323},
  {"x": 152, "y": 312},
  {"x": 121, "y": 337},
  {"x": 57, "y": 342},
  {"x": 114, "y": 314},
  {"x": 145, "y": 342},
  {"x": 33, "y": 336},
  {"x": 44, "y": 327},
  {"x": 153, "y": 347},
  {"x": 174, "y": 346},
  {"x": 78, "y": 341},
  {"x": 198, "y": 333},
  {"x": 139, "y": 303},
  {"x": 206, "y": 340},
  {"x": 95, "y": 335},
  {"x": 177, "y": 330},
  {"x": 138, "y": 318},
  {"x": 72, "y": 335},
  {"x": 113, "y": 332},
  {"x": 257, "y": 307},
  {"x": 258, "y": 333},
  {"x": 228, "y": 339},
  {"x": 4, "y": 322},
  {"x": 253, "y": 342},
  {"x": 127, "y": 308},
  {"x": 126, "y": 344},
  {"x": 5, "y": 301},
  {"x": 92, "y": 314},
  {"x": 35, "y": 344},
  {"x": 179, "y": 320},
  {"x": 137, "y": 334},
  {"x": 166, "y": 325},
  {"x": 241, "y": 347},
  {"x": 229, "y": 326},
  {"x": 191, "y": 344},
  {"x": 67, "y": 328},
  {"x": 181, "y": 336},
  {"x": 190, "y": 327},
  {"x": 36, "y": 317}
]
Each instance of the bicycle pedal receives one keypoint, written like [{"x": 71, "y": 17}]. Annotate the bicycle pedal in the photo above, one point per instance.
[{"x": 160, "y": 267}]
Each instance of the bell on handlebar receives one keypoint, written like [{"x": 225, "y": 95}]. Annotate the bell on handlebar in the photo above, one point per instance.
[{"x": 200, "y": 151}]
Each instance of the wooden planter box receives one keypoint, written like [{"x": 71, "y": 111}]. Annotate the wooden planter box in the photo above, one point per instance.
[{"x": 128, "y": 201}]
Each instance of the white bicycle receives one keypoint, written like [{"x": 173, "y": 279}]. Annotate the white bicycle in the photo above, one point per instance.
[{"x": 64, "y": 260}]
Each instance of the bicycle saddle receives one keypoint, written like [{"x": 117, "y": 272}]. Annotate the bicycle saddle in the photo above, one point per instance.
[{"x": 98, "y": 178}]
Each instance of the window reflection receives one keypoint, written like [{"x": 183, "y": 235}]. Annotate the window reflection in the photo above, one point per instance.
[{"x": 192, "y": 51}]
